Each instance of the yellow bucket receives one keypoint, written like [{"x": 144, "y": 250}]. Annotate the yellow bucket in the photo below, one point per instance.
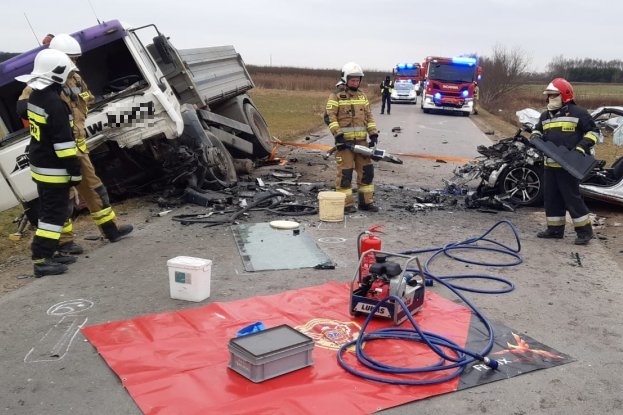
[{"x": 331, "y": 206}]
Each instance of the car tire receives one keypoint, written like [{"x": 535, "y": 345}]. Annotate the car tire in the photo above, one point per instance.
[{"x": 523, "y": 184}]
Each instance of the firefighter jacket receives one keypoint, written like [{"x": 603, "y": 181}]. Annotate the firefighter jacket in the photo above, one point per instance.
[
  {"x": 52, "y": 149},
  {"x": 77, "y": 96},
  {"x": 386, "y": 87},
  {"x": 349, "y": 114},
  {"x": 571, "y": 126}
]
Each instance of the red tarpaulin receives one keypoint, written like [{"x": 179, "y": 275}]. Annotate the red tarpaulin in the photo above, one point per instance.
[{"x": 177, "y": 362}]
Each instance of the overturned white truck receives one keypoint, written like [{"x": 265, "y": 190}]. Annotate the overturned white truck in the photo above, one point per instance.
[{"x": 161, "y": 116}]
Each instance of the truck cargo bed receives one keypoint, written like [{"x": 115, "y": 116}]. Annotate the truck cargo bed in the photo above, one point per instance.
[{"x": 211, "y": 75}]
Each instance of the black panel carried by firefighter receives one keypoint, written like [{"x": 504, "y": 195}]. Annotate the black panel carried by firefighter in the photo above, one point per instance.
[{"x": 578, "y": 165}]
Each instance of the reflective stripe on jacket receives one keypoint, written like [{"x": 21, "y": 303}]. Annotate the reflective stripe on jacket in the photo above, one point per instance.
[
  {"x": 571, "y": 127},
  {"x": 52, "y": 149},
  {"x": 349, "y": 114},
  {"x": 76, "y": 94}
]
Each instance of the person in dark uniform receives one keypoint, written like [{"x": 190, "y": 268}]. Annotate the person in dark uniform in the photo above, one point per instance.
[
  {"x": 387, "y": 87},
  {"x": 52, "y": 154},
  {"x": 565, "y": 124},
  {"x": 91, "y": 190}
]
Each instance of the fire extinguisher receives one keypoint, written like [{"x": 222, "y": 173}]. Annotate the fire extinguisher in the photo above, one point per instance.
[{"x": 364, "y": 244}]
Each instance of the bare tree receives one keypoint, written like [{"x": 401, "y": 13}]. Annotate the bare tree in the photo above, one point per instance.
[
  {"x": 504, "y": 72},
  {"x": 558, "y": 67}
]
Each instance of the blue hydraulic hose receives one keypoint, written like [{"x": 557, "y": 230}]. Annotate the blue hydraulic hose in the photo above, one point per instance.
[
  {"x": 459, "y": 358},
  {"x": 469, "y": 244}
]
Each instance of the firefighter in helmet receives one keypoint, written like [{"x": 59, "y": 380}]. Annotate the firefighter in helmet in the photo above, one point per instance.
[
  {"x": 77, "y": 96},
  {"x": 564, "y": 123},
  {"x": 52, "y": 154},
  {"x": 351, "y": 123}
]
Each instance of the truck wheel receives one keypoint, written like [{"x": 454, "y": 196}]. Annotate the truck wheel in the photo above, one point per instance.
[
  {"x": 524, "y": 185},
  {"x": 218, "y": 163},
  {"x": 262, "y": 140}
]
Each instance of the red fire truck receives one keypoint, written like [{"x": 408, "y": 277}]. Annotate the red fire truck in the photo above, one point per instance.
[
  {"x": 409, "y": 72},
  {"x": 448, "y": 83}
]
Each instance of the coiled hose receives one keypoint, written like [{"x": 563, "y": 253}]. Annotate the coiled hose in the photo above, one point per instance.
[{"x": 457, "y": 358}]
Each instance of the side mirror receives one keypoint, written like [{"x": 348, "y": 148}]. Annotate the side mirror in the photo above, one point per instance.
[{"x": 164, "y": 49}]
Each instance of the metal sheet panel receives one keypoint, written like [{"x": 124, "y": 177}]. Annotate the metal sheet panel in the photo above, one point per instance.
[{"x": 218, "y": 72}]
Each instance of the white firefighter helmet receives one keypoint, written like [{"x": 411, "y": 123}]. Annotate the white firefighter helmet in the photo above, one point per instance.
[
  {"x": 66, "y": 43},
  {"x": 351, "y": 69},
  {"x": 51, "y": 66}
]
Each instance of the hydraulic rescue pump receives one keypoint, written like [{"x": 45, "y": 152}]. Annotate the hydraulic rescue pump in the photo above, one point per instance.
[{"x": 388, "y": 278}]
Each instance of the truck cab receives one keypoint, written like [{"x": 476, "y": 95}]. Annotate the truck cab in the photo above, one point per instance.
[
  {"x": 161, "y": 115},
  {"x": 449, "y": 84},
  {"x": 409, "y": 72}
]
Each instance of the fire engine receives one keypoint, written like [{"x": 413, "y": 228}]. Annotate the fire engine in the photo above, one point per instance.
[
  {"x": 449, "y": 83},
  {"x": 409, "y": 72}
]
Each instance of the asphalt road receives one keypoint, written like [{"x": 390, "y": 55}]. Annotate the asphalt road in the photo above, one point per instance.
[{"x": 572, "y": 306}]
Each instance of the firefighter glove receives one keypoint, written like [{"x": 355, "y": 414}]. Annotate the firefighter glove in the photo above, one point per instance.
[
  {"x": 374, "y": 139},
  {"x": 537, "y": 135},
  {"x": 340, "y": 142}
]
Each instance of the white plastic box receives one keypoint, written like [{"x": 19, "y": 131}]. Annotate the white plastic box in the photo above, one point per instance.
[{"x": 189, "y": 278}]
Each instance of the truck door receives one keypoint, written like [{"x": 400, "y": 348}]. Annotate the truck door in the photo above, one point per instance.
[{"x": 174, "y": 70}]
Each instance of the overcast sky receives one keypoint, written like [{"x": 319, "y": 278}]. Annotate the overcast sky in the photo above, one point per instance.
[{"x": 327, "y": 33}]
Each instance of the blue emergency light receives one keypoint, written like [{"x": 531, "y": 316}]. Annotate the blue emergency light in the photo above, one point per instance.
[
  {"x": 463, "y": 60},
  {"x": 465, "y": 93}
]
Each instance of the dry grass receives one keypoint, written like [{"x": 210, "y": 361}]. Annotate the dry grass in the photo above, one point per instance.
[{"x": 291, "y": 114}]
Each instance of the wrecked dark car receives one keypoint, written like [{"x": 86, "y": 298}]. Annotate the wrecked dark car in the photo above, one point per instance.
[{"x": 509, "y": 173}]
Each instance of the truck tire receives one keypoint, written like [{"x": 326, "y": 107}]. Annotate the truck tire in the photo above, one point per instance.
[
  {"x": 220, "y": 171},
  {"x": 262, "y": 140}
]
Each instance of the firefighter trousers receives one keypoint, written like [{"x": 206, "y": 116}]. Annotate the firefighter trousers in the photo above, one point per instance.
[
  {"x": 562, "y": 194},
  {"x": 52, "y": 215},
  {"x": 348, "y": 163},
  {"x": 93, "y": 192}
]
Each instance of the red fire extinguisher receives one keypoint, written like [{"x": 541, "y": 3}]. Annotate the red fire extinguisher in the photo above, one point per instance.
[{"x": 364, "y": 244}]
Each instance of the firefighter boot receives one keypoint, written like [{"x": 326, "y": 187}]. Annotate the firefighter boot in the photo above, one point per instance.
[
  {"x": 370, "y": 207},
  {"x": 584, "y": 235},
  {"x": 114, "y": 233},
  {"x": 552, "y": 232},
  {"x": 47, "y": 266},
  {"x": 350, "y": 209},
  {"x": 64, "y": 259},
  {"x": 70, "y": 248}
]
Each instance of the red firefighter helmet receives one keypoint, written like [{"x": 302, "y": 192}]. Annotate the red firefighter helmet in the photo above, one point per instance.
[{"x": 560, "y": 86}]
